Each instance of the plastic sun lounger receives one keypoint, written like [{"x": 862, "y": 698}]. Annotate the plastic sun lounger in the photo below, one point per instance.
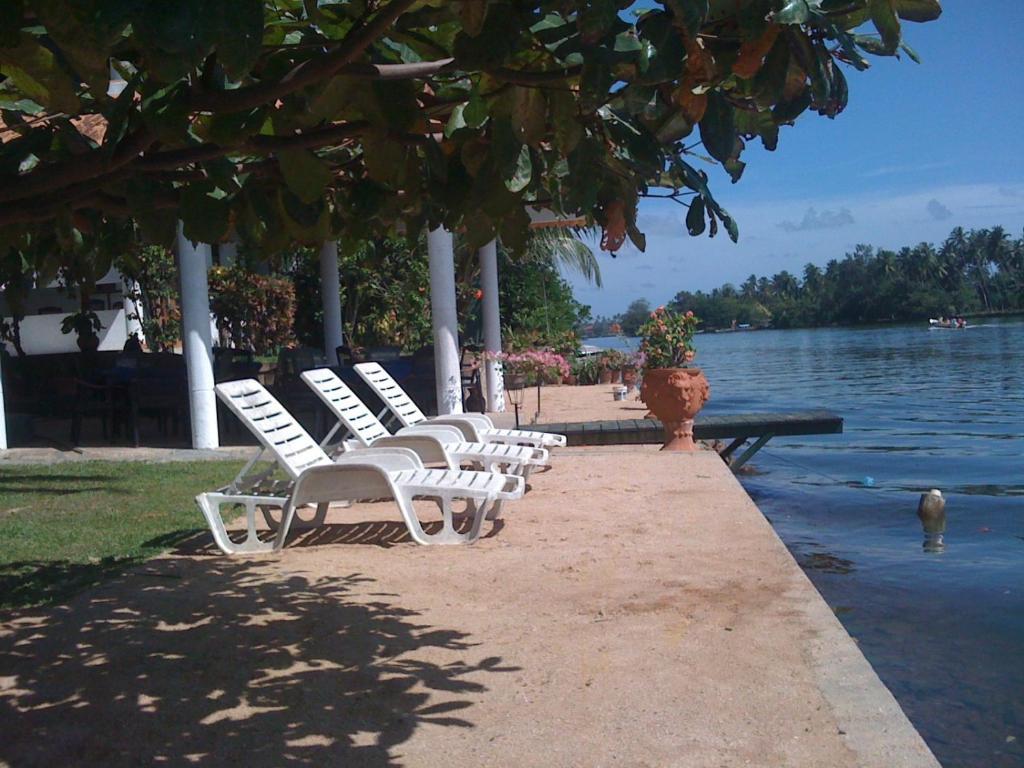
[
  {"x": 433, "y": 443},
  {"x": 477, "y": 427},
  {"x": 314, "y": 479}
]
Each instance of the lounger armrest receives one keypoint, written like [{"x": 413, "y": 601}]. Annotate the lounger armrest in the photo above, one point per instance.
[
  {"x": 469, "y": 429},
  {"x": 481, "y": 420},
  {"x": 443, "y": 432},
  {"x": 390, "y": 459},
  {"x": 515, "y": 488},
  {"x": 428, "y": 447}
]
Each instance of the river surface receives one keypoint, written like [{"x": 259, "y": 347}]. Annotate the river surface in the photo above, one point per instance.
[{"x": 943, "y": 625}]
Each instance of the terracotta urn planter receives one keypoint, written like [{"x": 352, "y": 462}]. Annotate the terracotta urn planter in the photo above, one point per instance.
[
  {"x": 675, "y": 396},
  {"x": 606, "y": 376}
]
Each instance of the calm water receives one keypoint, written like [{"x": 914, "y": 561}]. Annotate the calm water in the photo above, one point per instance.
[{"x": 924, "y": 409}]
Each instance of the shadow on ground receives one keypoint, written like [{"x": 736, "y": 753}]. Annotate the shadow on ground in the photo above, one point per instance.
[
  {"x": 25, "y": 583},
  {"x": 233, "y": 662}
]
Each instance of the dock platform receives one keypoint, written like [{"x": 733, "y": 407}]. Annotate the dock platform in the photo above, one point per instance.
[{"x": 739, "y": 428}]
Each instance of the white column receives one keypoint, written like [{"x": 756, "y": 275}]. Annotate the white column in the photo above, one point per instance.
[
  {"x": 3, "y": 413},
  {"x": 495, "y": 379},
  {"x": 132, "y": 308},
  {"x": 195, "y": 327},
  {"x": 447, "y": 375},
  {"x": 331, "y": 299}
]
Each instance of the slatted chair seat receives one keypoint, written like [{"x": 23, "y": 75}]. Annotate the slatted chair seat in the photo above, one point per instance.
[
  {"x": 314, "y": 479},
  {"x": 433, "y": 443},
  {"x": 477, "y": 427}
]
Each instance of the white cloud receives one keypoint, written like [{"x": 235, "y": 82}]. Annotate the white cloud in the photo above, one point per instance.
[
  {"x": 824, "y": 220},
  {"x": 889, "y": 170}
]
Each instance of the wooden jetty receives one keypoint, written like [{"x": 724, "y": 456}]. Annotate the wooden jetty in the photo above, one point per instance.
[{"x": 738, "y": 428}]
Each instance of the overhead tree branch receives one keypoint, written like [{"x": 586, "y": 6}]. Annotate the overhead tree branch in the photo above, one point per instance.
[
  {"x": 60, "y": 175},
  {"x": 350, "y": 48},
  {"x": 37, "y": 207}
]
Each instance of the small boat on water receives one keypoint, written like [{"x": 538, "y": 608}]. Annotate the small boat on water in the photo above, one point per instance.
[{"x": 943, "y": 324}]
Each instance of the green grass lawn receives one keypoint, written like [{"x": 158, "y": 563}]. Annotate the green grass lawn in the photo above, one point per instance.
[{"x": 66, "y": 526}]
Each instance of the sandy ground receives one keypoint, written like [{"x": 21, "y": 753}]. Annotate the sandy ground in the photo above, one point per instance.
[
  {"x": 635, "y": 609},
  {"x": 570, "y": 403}
]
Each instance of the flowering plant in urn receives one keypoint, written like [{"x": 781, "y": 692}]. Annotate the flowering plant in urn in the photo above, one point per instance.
[
  {"x": 668, "y": 338},
  {"x": 535, "y": 365},
  {"x": 672, "y": 389}
]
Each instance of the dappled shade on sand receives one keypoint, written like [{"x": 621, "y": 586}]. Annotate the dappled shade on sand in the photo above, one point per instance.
[{"x": 235, "y": 663}]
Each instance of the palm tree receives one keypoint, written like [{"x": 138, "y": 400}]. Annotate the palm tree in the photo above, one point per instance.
[
  {"x": 564, "y": 249},
  {"x": 749, "y": 288},
  {"x": 784, "y": 284},
  {"x": 812, "y": 279},
  {"x": 561, "y": 248}
]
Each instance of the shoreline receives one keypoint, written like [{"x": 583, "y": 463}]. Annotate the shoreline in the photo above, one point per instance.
[{"x": 995, "y": 314}]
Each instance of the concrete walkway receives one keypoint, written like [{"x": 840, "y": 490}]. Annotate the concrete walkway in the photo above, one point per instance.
[{"x": 636, "y": 609}]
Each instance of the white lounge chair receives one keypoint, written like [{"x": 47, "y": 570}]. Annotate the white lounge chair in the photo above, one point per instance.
[
  {"x": 314, "y": 479},
  {"x": 477, "y": 427},
  {"x": 433, "y": 443}
]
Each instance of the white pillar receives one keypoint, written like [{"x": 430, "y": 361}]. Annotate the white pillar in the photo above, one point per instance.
[
  {"x": 195, "y": 327},
  {"x": 3, "y": 413},
  {"x": 132, "y": 308},
  {"x": 331, "y": 299},
  {"x": 495, "y": 379},
  {"x": 447, "y": 375}
]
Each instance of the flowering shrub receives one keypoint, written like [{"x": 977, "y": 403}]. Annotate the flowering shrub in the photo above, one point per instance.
[
  {"x": 667, "y": 339},
  {"x": 535, "y": 365},
  {"x": 613, "y": 359},
  {"x": 256, "y": 311}
]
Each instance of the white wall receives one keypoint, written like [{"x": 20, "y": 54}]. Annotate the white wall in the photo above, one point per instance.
[{"x": 40, "y": 334}]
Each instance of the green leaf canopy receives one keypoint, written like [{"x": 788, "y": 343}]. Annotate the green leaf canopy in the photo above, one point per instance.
[{"x": 289, "y": 121}]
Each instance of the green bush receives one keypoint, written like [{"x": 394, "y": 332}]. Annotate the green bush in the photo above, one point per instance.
[
  {"x": 256, "y": 311},
  {"x": 586, "y": 369}
]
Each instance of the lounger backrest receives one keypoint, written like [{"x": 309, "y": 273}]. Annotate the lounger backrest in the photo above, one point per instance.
[
  {"x": 343, "y": 402},
  {"x": 275, "y": 428},
  {"x": 387, "y": 389}
]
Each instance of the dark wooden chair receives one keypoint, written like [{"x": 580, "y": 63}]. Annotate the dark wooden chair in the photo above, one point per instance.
[{"x": 159, "y": 390}]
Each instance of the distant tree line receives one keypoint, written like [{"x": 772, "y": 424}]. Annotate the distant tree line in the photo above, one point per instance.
[{"x": 972, "y": 272}]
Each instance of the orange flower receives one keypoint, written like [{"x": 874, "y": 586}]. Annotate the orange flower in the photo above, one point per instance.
[{"x": 479, "y": 294}]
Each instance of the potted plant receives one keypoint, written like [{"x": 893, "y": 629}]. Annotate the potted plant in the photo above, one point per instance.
[
  {"x": 87, "y": 325},
  {"x": 585, "y": 369},
  {"x": 631, "y": 369},
  {"x": 611, "y": 361},
  {"x": 673, "y": 389}
]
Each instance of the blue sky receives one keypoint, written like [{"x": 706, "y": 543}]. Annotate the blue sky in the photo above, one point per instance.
[{"x": 920, "y": 149}]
